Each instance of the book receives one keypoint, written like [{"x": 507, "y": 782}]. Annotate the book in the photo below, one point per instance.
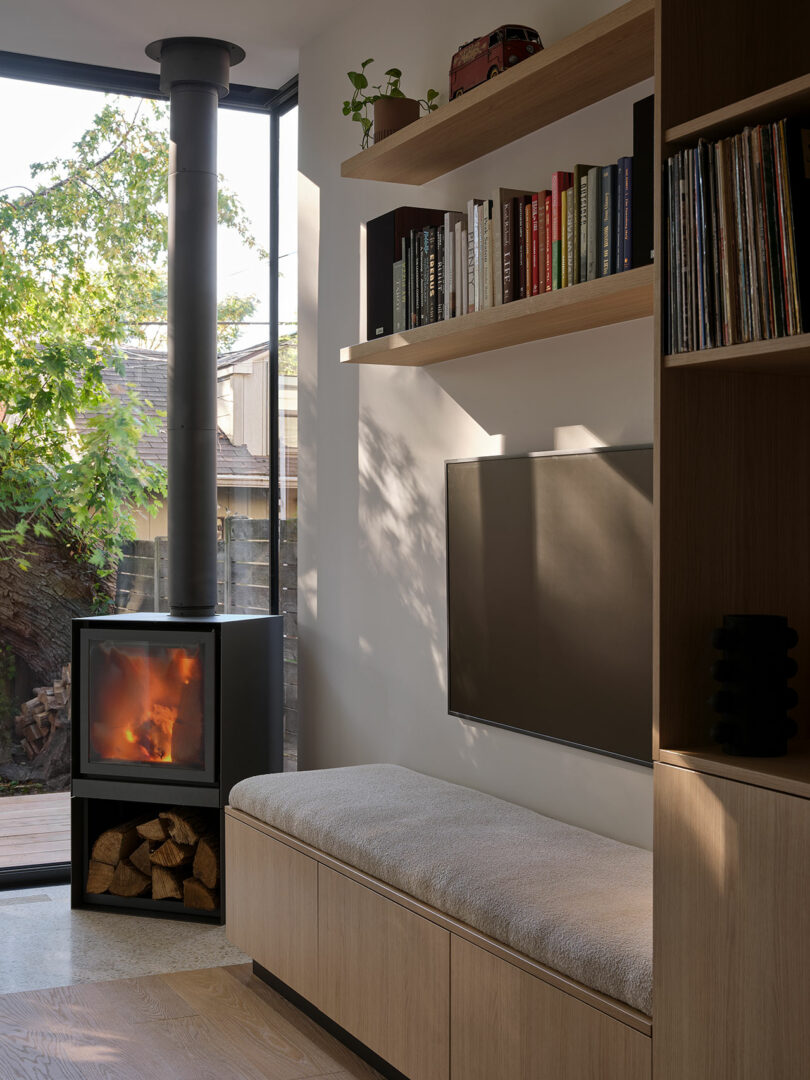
[
  {"x": 608, "y": 225},
  {"x": 560, "y": 181},
  {"x": 564, "y": 239},
  {"x": 489, "y": 255},
  {"x": 478, "y": 255},
  {"x": 507, "y": 280},
  {"x": 541, "y": 242},
  {"x": 460, "y": 268},
  {"x": 580, "y": 197},
  {"x": 626, "y": 213},
  {"x": 520, "y": 265},
  {"x": 594, "y": 217},
  {"x": 399, "y": 295},
  {"x": 465, "y": 276},
  {"x": 451, "y": 219},
  {"x": 535, "y": 243},
  {"x": 570, "y": 218},
  {"x": 472, "y": 219},
  {"x": 547, "y": 222},
  {"x": 527, "y": 231},
  {"x": 794, "y": 142},
  {"x": 643, "y": 182},
  {"x": 440, "y": 274}
]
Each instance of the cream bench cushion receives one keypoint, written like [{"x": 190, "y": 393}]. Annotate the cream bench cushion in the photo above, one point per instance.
[{"x": 566, "y": 897}]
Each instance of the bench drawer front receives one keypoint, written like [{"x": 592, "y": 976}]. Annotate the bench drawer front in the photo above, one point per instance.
[
  {"x": 272, "y": 905},
  {"x": 509, "y": 1025},
  {"x": 385, "y": 976}
]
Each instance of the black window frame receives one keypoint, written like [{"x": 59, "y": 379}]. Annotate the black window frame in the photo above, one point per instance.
[{"x": 273, "y": 103}]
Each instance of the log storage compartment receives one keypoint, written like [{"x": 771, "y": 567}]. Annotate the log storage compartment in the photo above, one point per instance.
[{"x": 158, "y": 858}]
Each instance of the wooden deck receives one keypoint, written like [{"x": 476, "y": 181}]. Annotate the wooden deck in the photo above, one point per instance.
[{"x": 34, "y": 830}]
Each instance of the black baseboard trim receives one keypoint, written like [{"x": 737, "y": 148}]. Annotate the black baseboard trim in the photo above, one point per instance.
[
  {"x": 24, "y": 877},
  {"x": 329, "y": 1025}
]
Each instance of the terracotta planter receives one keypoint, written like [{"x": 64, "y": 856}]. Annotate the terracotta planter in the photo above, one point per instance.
[{"x": 391, "y": 114}]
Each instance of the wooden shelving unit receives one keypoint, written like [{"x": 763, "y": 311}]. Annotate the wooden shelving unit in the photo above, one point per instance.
[
  {"x": 733, "y": 505},
  {"x": 777, "y": 355},
  {"x": 614, "y": 299},
  {"x": 606, "y": 56}
]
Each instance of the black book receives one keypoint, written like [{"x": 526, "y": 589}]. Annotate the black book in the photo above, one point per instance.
[
  {"x": 440, "y": 313},
  {"x": 795, "y": 145},
  {"x": 643, "y": 181},
  {"x": 608, "y": 235}
]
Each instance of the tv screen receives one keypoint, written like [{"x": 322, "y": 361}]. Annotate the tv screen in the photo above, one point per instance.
[{"x": 549, "y": 574}]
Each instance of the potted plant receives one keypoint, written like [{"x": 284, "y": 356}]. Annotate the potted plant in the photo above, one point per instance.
[{"x": 392, "y": 110}]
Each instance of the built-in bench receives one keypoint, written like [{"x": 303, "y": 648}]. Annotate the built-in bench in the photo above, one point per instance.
[{"x": 455, "y": 934}]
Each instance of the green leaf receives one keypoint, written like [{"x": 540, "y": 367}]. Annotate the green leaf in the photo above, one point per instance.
[
  {"x": 358, "y": 80},
  {"x": 395, "y": 73},
  {"x": 432, "y": 95},
  {"x": 396, "y": 93},
  {"x": 365, "y": 63}
]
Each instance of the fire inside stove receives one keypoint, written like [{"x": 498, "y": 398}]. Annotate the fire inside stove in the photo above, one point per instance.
[{"x": 146, "y": 704}]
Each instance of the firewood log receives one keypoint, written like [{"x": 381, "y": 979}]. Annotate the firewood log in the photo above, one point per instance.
[
  {"x": 206, "y": 861},
  {"x": 167, "y": 884},
  {"x": 156, "y": 829},
  {"x": 128, "y": 880},
  {"x": 185, "y": 826},
  {"x": 99, "y": 876},
  {"x": 172, "y": 854},
  {"x": 118, "y": 843},
  {"x": 197, "y": 895},
  {"x": 140, "y": 857}
]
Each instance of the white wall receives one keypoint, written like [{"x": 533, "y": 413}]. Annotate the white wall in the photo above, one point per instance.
[{"x": 373, "y": 440}]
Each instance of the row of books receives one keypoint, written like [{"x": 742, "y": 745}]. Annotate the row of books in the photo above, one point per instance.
[
  {"x": 738, "y": 217},
  {"x": 516, "y": 244}
]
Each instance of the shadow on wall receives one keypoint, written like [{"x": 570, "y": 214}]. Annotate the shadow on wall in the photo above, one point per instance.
[{"x": 401, "y": 532}]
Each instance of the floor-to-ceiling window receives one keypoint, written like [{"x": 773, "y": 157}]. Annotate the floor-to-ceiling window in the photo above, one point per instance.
[{"x": 83, "y": 381}]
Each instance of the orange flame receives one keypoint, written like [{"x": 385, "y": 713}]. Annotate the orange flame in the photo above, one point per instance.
[{"x": 146, "y": 705}]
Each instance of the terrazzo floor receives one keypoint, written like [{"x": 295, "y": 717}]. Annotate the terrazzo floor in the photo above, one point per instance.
[{"x": 45, "y": 944}]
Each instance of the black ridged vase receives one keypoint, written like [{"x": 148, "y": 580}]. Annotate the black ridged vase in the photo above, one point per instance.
[{"x": 754, "y": 697}]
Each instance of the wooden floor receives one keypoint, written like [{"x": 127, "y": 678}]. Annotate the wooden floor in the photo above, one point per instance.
[
  {"x": 34, "y": 829},
  {"x": 214, "y": 1024}
]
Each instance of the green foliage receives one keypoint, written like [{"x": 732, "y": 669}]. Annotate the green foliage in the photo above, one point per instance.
[
  {"x": 231, "y": 311},
  {"x": 82, "y": 268},
  {"x": 360, "y": 103}
]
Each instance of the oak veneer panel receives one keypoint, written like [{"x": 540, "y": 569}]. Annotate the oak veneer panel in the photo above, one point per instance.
[
  {"x": 733, "y": 496},
  {"x": 272, "y": 906},
  {"x": 786, "y": 99},
  {"x": 508, "y": 1025},
  {"x": 777, "y": 356},
  {"x": 385, "y": 976},
  {"x": 614, "y": 299},
  {"x": 731, "y": 930},
  {"x": 790, "y": 774},
  {"x": 718, "y": 53},
  {"x": 606, "y": 56}
]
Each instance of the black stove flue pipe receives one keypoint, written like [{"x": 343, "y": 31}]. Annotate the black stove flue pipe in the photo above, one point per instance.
[{"x": 195, "y": 74}]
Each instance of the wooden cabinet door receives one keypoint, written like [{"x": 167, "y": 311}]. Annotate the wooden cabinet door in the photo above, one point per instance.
[
  {"x": 510, "y": 1025},
  {"x": 272, "y": 905},
  {"x": 731, "y": 930},
  {"x": 385, "y": 976}
]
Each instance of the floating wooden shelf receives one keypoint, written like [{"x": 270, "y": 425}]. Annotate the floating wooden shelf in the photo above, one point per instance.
[
  {"x": 613, "y": 299},
  {"x": 606, "y": 56},
  {"x": 784, "y": 100},
  {"x": 778, "y": 354},
  {"x": 790, "y": 774}
]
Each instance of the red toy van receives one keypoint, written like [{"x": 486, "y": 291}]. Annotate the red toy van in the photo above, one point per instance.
[{"x": 488, "y": 56}]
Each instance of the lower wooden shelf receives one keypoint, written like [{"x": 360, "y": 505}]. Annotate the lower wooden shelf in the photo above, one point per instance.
[
  {"x": 790, "y": 774},
  {"x": 779, "y": 354},
  {"x": 609, "y": 300}
]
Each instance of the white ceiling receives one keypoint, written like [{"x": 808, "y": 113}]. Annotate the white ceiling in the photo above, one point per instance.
[{"x": 114, "y": 33}]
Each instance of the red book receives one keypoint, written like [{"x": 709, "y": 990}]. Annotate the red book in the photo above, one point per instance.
[
  {"x": 535, "y": 245},
  {"x": 547, "y": 216}
]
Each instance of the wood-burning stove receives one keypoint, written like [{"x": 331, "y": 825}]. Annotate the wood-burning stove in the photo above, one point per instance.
[{"x": 168, "y": 712}]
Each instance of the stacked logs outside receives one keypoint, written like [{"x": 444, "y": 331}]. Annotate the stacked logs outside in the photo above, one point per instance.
[
  {"x": 42, "y": 715},
  {"x": 174, "y": 856}
]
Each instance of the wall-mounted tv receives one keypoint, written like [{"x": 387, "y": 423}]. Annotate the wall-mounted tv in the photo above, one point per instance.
[{"x": 549, "y": 586}]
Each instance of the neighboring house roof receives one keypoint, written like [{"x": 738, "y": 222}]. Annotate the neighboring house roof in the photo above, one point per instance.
[{"x": 147, "y": 373}]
